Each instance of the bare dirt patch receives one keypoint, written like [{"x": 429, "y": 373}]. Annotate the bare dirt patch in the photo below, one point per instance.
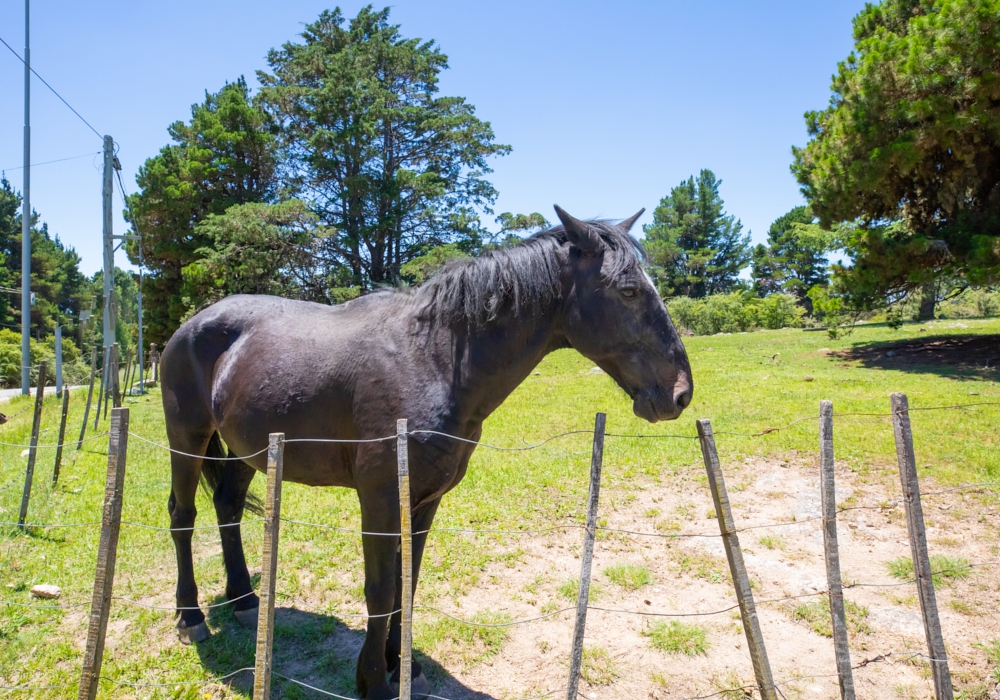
[
  {"x": 973, "y": 355},
  {"x": 689, "y": 575}
]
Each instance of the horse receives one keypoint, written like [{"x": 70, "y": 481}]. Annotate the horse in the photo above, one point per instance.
[{"x": 444, "y": 355}]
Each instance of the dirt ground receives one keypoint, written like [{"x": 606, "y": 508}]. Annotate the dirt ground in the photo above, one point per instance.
[{"x": 782, "y": 561}]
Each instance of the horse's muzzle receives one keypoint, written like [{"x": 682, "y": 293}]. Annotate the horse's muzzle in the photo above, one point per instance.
[{"x": 662, "y": 403}]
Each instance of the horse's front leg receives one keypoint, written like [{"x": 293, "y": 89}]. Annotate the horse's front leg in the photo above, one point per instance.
[
  {"x": 378, "y": 515},
  {"x": 422, "y": 519}
]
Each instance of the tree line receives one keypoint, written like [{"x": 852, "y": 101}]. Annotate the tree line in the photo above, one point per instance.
[
  {"x": 347, "y": 165},
  {"x": 59, "y": 292},
  {"x": 348, "y": 170}
]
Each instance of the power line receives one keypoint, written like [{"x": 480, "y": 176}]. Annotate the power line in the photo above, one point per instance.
[
  {"x": 52, "y": 89},
  {"x": 50, "y": 162}
]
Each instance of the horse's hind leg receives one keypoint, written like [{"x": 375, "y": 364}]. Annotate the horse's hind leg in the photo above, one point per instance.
[
  {"x": 230, "y": 499},
  {"x": 185, "y": 472}
]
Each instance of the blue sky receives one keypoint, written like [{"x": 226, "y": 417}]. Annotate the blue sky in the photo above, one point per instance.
[{"x": 606, "y": 105}]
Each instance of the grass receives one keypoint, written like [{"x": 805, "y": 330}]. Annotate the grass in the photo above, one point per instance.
[
  {"x": 737, "y": 385},
  {"x": 701, "y": 565},
  {"x": 942, "y": 567},
  {"x": 467, "y": 644},
  {"x": 631, "y": 577},
  {"x": 598, "y": 666},
  {"x": 772, "y": 542},
  {"x": 675, "y": 637},
  {"x": 992, "y": 651},
  {"x": 816, "y": 615},
  {"x": 733, "y": 687},
  {"x": 570, "y": 590}
]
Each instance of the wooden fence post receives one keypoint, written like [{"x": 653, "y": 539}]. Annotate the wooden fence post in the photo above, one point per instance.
[
  {"x": 406, "y": 563},
  {"x": 741, "y": 581},
  {"x": 587, "y": 559},
  {"x": 116, "y": 394},
  {"x": 107, "y": 555},
  {"x": 835, "y": 590},
  {"x": 154, "y": 362},
  {"x": 269, "y": 567},
  {"x": 133, "y": 365},
  {"x": 918, "y": 545},
  {"x": 128, "y": 370},
  {"x": 104, "y": 386},
  {"x": 90, "y": 396},
  {"x": 62, "y": 435},
  {"x": 29, "y": 473}
]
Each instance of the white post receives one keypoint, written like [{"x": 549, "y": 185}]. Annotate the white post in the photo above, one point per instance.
[
  {"x": 59, "y": 358},
  {"x": 26, "y": 219}
]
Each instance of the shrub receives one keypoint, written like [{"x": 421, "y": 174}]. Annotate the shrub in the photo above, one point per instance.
[
  {"x": 779, "y": 311},
  {"x": 735, "y": 312},
  {"x": 973, "y": 302},
  {"x": 74, "y": 369}
]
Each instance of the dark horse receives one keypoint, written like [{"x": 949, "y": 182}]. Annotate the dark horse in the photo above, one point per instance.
[{"x": 444, "y": 356}]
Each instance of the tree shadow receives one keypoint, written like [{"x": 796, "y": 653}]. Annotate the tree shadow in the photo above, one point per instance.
[
  {"x": 954, "y": 356},
  {"x": 314, "y": 648}
]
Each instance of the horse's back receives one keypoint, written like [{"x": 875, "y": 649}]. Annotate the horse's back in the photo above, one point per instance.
[{"x": 252, "y": 365}]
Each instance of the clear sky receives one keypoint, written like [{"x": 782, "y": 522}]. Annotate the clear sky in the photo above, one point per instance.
[{"x": 606, "y": 105}]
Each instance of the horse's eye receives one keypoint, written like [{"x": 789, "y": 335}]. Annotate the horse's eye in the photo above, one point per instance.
[{"x": 628, "y": 293}]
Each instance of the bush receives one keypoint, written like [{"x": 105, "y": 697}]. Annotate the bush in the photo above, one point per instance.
[
  {"x": 74, "y": 370},
  {"x": 973, "y": 302},
  {"x": 736, "y": 312}
]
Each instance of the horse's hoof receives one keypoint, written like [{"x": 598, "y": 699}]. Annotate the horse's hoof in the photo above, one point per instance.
[
  {"x": 420, "y": 687},
  {"x": 248, "y": 618},
  {"x": 190, "y": 635}
]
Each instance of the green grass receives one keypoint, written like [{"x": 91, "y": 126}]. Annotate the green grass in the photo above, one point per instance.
[
  {"x": 737, "y": 385},
  {"x": 570, "y": 590},
  {"x": 599, "y": 667},
  {"x": 817, "y": 616},
  {"x": 947, "y": 567},
  {"x": 631, "y": 577},
  {"x": 675, "y": 637},
  {"x": 467, "y": 644},
  {"x": 772, "y": 542},
  {"x": 992, "y": 651}
]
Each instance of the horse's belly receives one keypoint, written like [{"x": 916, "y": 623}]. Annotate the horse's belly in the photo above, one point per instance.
[{"x": 312, "y": 464}]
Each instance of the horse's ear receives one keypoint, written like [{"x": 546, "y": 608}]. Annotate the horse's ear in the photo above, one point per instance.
[
  {"x": 630, "y": 222},
  {"x": 579, "y": 233}
]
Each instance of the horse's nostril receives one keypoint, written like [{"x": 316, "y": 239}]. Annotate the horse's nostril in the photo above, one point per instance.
[{"x": 683, "y": 398}]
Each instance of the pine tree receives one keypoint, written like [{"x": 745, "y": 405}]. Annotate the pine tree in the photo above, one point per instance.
[
  {"x": 696, "y": 248},
  {"x": 222, "y": 157},
  {"x": 391, "y": 167},
  {"x": 794, "y": 259},
  {"x": 907, "y": 150}
]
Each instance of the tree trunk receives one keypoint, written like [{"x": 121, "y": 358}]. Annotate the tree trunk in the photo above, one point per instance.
[{"x": 928, "y": 299}]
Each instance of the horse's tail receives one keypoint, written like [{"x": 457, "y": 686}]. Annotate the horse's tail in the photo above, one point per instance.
[{"x": 212, "y": 470}]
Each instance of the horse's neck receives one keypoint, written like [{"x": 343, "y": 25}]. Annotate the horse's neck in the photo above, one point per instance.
[{"x": 492, "y": 361}]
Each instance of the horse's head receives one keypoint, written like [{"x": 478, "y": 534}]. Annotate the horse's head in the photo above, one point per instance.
[{"x": 614, "y": 316}]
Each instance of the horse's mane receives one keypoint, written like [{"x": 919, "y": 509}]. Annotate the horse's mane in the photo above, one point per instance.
[{"x": 518, "y": 281}]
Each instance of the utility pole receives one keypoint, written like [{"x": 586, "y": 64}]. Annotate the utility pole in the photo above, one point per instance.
[
  {"x": 26, "y": 218},
  {"x": 138, "y": 352},
  {"x": 109, "y": 242}
]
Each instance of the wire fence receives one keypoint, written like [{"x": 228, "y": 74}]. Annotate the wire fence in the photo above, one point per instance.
[{"x": 886, "y": 657}]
